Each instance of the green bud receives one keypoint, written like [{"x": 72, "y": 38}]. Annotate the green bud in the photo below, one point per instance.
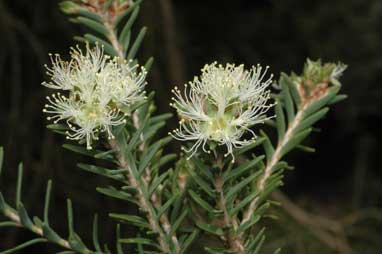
[{"x": 69, "y": 7}]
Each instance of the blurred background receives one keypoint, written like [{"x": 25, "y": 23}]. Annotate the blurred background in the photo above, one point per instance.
[{"x": 332, "y": 201}]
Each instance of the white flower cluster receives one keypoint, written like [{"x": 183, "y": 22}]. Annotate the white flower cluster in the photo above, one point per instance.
[
  {"x": 221, "y": 106},
  {"x": 99, "y": 90}
]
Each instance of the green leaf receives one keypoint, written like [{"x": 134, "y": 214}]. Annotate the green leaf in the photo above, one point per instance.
[
  {"x": 148, "y": 156},
  {"x": 242, "y": 169},
  {"x": 293, "y": 89},
  {"x": 268, "y": 147},
  {"x": 288, "y": 102},
  {"x": 203, "y": 184},
  {"x": 9, "y": 224},
  {"x": 124, "y": 36},
  {"x": 189, "y": 240},
  {"x": 294, "y": 141},
  {"x": 167, "y": 205},
  {"x": 160, "y": 118},
  {"x": 91, "y": 15},
  {"x": 24, "y": 217},
  {"x": 114, "y": 193},
  {"x": 247, "y": 225},
  {"x": 157, "y": 181},
  {"x": 95, "y": 239},
  {"x": 204, "y": 170},
  {"x": 175, "y": 225},
  {"x": 280, "y": 120},
  {"x": 310, "y": 120},
  {"x": 96, "y": 26},
  {"x": 338, "y": 98},
  {"x": 234, "y": 190},
  {"x": 50, "y": 234},
  {"x": 100, "y": 171},
  {"x": 1, "y": 159},
  {"x": 203, "y": 204},
  {"x": 47, "y": 202},
  {"x": 215, "y": 230},
  {"x": 142, "y": 241},
  {"x": 19, "y": 184},
  {"x": 24, "y": 245},
  {"x": 109, "y": 49},
  {"x": 137, "y": 43},
  {"x": 244, "y": 149},
  {"x": 243, "y": 203},
  {"x": 127, "y": 12},
  {"x": 130, "y": 219},
  {"x": 313, "y": 107}
]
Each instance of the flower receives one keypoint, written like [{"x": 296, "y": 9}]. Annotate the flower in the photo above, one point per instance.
[
  {"x": 221, "y": 106},
  {"x": 100, "y": 92}
]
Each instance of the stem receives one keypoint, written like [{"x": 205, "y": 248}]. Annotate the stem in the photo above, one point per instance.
[
  {"x": 154, "y": 201},
  {"x": 148, "y": 205},
  {"x": 230, "y": 223},
  {"x": 37, "y": 230},
  {"x": 273, "y": 161}
]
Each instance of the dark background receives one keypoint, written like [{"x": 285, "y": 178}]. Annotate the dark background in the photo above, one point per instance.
[{"x": 342, "y": 181}]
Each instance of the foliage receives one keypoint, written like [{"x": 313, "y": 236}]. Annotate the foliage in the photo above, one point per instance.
[{"x": 205, "y": 195}]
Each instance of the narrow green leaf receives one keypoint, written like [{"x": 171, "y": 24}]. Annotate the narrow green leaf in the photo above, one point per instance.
[
  {"x": 160, "y": 118},
  {"x": 288, "y": 102},
  {"x": 1, "y": 159},
  {"x": 130, "y": 219},
  {"x": 96, "y": 26},
  {"x": 189, "y": 240},
  {"x": 70, "y": 217},
  {"x": 24, "y": 217},
  {"x": 19, "y": 184},
  {"x": 178, "y": 222},
  {"x": 9, "y": 224},
  {"x": 203, "y": 169},
  {"x": 142, "y": 241},
  {"x": 148, "y": 64},
  {"x": 268, "y": 147},
  {"x": 50, "y": 234},
  {"x": 280, "y": 120},
  {"x": 244, "y": 149},
  {"x": 312, "y": 119},
  {"x": 306, "y": 149},
  {"x": 203, "y": 204},
  {"x": 109, "y": 49},
  {"x": 293, "y": 89},
  {"x": 338, "y": 98},
  {"x": 127, "y": 12},
  {"x": 294, "y": 141},
  {"x": 100, "y": 171},
  {"x": 233, "y": 191},
  {"x": 114, "y": 193},
  {"x": 95, "y": 239},
  {"x": 243, "y": 203},
  {"x": 203, "y": 184},
  {"x": 215, "y": 230},
  {"x": 126, "y": 29},
  {"x": 24, "y": 245},
  {"x": 330, "y": 94},
  {"x": 242, "y": 169},
  {"x": 157, "y": 181},
  {"x": 118, "y": 244},
  {"x": 137, "y": 43},
  {"x": 247, "y": 225},
  {"x": 167, "y": 205},
  {"x": 148, "y": 156},
  {"x": 47, "y": 202},
  {"x": 91, "y": 15}
]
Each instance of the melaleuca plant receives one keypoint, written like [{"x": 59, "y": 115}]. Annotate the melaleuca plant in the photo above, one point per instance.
[{"x": 218, "y": 187}]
